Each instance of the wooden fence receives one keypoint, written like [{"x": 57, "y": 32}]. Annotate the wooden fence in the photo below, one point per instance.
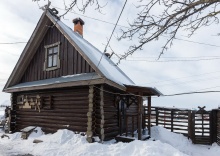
[{"x": 202, "y": 127}]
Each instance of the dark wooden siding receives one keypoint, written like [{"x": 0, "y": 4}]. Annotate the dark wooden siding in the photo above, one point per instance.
[
  {"x": 69, "y": 109},
  {"x": 71, "y": 62}
]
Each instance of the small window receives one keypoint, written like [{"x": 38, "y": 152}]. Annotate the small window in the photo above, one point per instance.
[
  {"x": 52, "y": 57},
  {"x": 20, "y": 99},
  {"x": 52, "y": 60}
]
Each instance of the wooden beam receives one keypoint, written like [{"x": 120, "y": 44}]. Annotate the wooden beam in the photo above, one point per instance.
[
  {"x": 149, "y": 114},
  {"x": 90, "y": 115},
  {"x": 102, "y": 132},
  {"x": 140, "y": 105}
]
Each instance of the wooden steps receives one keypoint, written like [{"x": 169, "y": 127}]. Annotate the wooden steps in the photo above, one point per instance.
[{"x": 130, "y": 139}]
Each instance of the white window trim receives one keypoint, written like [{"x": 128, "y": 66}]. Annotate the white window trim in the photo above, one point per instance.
[{"x": 58, "y": 57}]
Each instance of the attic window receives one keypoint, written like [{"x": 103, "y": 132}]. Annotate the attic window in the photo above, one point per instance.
[{"x": 52, "y": 60}]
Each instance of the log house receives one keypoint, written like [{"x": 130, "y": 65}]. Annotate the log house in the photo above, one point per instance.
[{"x": 61, "y": 82}]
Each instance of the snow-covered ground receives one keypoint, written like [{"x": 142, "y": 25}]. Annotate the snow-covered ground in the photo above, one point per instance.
[{"x": 66, "y": 143}]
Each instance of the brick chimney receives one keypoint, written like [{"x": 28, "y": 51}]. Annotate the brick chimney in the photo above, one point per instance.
[{"x": 78, "y": 25}]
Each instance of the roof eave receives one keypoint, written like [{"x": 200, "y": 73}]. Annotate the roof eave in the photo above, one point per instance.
[
  {"x": 57, "y": 85},
  {"x": 116, "y": 85},
  {"x": 145, "y": 91}
]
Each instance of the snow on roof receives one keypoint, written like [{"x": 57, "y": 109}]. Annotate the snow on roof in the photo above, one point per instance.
[
  {"x": 62, "y": 79},
  {"x": 107, "y": 67}
]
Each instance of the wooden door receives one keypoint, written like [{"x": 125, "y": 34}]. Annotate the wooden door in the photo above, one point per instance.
[{"x": 122, "y": 116}]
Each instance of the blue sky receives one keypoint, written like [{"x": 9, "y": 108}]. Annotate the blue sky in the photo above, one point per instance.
[{"x": 20, "y": 17}]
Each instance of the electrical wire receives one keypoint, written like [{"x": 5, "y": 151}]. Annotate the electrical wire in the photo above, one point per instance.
[
  {"x": 182, "y": 77},
  {"x": 188, "y": 93},
  {"x": 109, "y": 39},
  {"x": 12, "y": 42},
  {"x": 207, "y": 44},
  {"x": 202, "y": 43},
  {"x": 172, "y": 57},
  {"x": 168, "y": 95},
  {"x": 159, "y": 61}
]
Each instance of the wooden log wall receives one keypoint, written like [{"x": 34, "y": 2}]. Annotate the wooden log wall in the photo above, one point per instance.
[
  {"x": 109, "y": 114},
  {"x": 61, "y": 109},
  {"x": 71, "y": 62},
  {"x": 12, "y": 113}
]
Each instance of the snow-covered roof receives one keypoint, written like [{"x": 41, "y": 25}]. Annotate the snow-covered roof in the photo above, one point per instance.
[
  {"x": 106, "y": 71},
  {"x": 56, "y": 81},
  {"x": 105, "y": 65}
]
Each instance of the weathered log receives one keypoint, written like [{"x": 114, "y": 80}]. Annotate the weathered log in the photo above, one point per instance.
[
  {"x": 63, "y": 124},
  {"x": 67, "y": 118},
  {"x": 51, "y": 113},
  {"x": 21, "y": 125},
  {"x": 89, "y": 115}
]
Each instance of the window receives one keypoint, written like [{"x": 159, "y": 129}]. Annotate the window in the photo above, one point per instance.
[
  {"x": 52, "y": 60},
  {"x": 20, "y": 99}
]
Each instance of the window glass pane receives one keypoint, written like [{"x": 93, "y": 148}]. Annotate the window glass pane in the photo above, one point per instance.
[
  {"x": 50, "y": 51},
  {"x": 49, "y": 61},
  {"x": 54, "y": 60},
  {"x": 55, "y": 49}
]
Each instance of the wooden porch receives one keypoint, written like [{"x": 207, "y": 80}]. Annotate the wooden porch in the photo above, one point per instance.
[{"x": 132, "y": 125}]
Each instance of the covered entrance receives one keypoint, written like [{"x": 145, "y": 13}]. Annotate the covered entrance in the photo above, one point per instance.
[{"x": 130, "y": 112}]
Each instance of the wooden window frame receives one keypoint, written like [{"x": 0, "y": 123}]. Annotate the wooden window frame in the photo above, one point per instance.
[
  {"x": 46, "y": 68},
  {"x": 20, "y": 99}
]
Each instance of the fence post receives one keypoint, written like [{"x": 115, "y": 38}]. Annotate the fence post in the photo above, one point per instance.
[
  {"x": 172, "y": 120},
  {"x": 157, "y": 114},
  {"x": 193, "y": 127},
  {"x": 213, "y": 126},
  {"x": 149, "y": 115},
  {"x": 144, "y": 118},
  {"x": 190, "y": 124}
]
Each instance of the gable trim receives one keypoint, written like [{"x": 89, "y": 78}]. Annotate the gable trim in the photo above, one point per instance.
[{"x": 27, "y": 53}]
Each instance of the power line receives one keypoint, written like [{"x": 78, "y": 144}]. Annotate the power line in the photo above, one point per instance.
[
  {"x": 207, "y": 44},
  {"x": 208, "y": 88},
  {"x": 12, "y": 42},
  {"x": 182, "y": 77},
  {"x": 172, "y": 57},
  {"x": 202, "y": 43},
  {"x": 115, "y": 26},
  {"x": 197, "y": 42},
  {"x": 109, "y": 38},
  {"x": 92, "y": 18},
  {"x": 159, "y": 61},
  {"x": 197, "y": 80},
  {"x": 168, "y": 95},
  {"x": 187, "y": 93}
]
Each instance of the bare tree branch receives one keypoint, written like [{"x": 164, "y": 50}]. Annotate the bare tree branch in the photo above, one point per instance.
[{"x": 189, "y": 15}]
